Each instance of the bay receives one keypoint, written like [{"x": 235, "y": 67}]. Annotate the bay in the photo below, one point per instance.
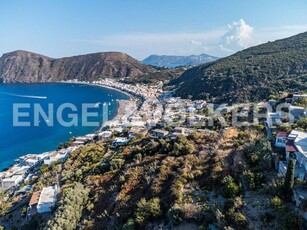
[{"x": 16, "y": 141}]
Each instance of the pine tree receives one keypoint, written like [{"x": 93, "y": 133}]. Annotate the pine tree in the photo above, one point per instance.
[{"x": 289, "y": 179}]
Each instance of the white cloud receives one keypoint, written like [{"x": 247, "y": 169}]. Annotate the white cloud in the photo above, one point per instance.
[
  {"x": 238, "y": 36},
  {"x": 141, "y": 45},
  {"x": 219, "y": 42}
]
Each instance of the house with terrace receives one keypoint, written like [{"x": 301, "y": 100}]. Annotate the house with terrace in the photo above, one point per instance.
[
  {"x": 47, "y": 199},
  {"x": 281, "y": 139},
  {"x": 295, "y": 147}
]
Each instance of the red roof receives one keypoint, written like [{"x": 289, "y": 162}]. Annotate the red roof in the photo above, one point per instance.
[
  {"x": 282, "y": 134},
  {"x": 54, "y": 154},
  {"x": 34, "y": 198},
  {"x": 290, "y": 147}
]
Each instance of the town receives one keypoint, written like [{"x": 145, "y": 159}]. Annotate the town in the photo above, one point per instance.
[{"x": 153, "y": 112}]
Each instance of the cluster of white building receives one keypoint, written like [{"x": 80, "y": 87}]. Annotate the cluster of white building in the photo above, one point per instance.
[
  {"x": 183, "y": 111},
  {"x": 294, "y": 113},
  {"x": 23, "y": 169},
  {"x": 149, "y": 114},
  {"x": 20, "y": 171}
]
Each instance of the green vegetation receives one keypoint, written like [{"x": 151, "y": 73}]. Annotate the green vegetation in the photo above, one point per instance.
[
  {"x": 302, "y": 101},
  {"x": 231, "y": 188},
  {"x": 254, "y": 179},
  {"x": 202, "y": 179},
  {"x": 302, "y": 124},
  {"x": 183, "y": 147},
  {"x": 66, "y": 145},
  {"x": 289, "y": 179},
  {"x": 69, "y": 213},
  {"x": 147, "y": 210},
  {"x": 259, "y": 155},
  {"x": 249, "y": 75},
  {"x": 294, "y": 221},
  {"x": 276, "y": 204}
]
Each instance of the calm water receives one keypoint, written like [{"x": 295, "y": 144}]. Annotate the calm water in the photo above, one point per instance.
[{"x": 17, "y": 141}]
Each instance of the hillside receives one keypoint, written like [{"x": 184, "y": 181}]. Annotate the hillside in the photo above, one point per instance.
[
  {"x": 171, "y": 61},
  {"x": 23, "y": 66},
  {"x": 250, "y": 75},
  {"x": 187, "y": 183}
]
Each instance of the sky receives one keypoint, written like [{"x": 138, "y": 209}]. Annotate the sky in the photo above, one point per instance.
[{"x": 61, "y": 28}]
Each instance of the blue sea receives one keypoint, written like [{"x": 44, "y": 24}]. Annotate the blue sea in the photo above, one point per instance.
[{"x": 16, "y": 141}]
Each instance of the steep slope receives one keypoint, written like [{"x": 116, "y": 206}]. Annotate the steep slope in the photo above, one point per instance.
[
  {"x": 250, "y": 75},
  {"x": 23, "y": 66},
  {"x": 174, "y": 61}
]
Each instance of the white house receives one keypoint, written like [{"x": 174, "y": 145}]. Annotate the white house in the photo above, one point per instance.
[
  {"x": 159, "y": 133},
  {"x": 281, "y": 139},
  {"x": 120, "y": 141},
  {"x": 273, "y": 119},
  {"x": 297, "y": 96},
  {"x": 56, "y": 156},
  {"x": 11, "y": 181},
  {"x": 200, "y": 104},
  {"x": 47, "y": 199},
  {"x": 105, "y": 135},
  {"x": 296, "y": 112},
  {"x": 179, "y": 131},
  {"x": 30, "y": 159},
  {"x": 296, "y": 147},
  {"x": 191, "y": 109},
  {"x": 191, "y": 120},
  {"x": 299, "y": 139}
]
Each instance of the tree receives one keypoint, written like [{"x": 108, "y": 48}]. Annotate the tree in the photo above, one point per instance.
[
  {"x": 69, "y": 213},
  {"x": 253, "y": 159},
  {"x": 302, "y": 101},
  {"x": 129, "y": 225},
  {"x": 176, "y": 215},
  {"x": 44, "y": 168},
  {"x": 276, "y": 204},
  {"x": 183, "y": 146},
  {"x": 260, "y": 155},
  {"x": 294, "y": 221},
  {"x": 240, "y": 220},
  {"x": 302, "y": 123},
  {"x": 147, "y": 210},
  {"x": 289, "y": 179},
  {"x": 231, "y": 188}
]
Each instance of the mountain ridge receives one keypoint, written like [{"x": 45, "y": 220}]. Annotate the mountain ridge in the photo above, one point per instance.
[
  {"x": 24, "y": 66},
  {"x": 249, "y": 75}
]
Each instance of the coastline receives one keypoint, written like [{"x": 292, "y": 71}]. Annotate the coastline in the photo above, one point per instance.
[
  {"x": 98, "y": 85},
  {"x": 118, "y": 114},
  {"x": 121, "y": 104}
]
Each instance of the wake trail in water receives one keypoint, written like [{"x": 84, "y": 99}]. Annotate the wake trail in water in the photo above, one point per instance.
[{"x": 25, "y": 96}]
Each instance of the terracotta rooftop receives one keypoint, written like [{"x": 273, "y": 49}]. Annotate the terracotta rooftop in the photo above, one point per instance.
[
  {"x": 290, "y": 146},
  {"x": 34, "y": 198},
  {"x": 282, "y": 134},
  {"x": 54, "y": 154}
]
